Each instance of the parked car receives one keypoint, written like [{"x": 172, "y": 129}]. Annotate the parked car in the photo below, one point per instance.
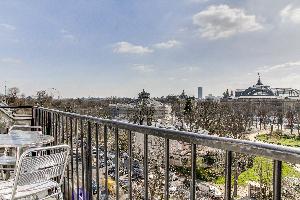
[
  {"x": 209, "y": 189},
  {"x": 135, "y": 164},
  {"x": 101, "y": 164},
  {"x": 94, "y": 187}
]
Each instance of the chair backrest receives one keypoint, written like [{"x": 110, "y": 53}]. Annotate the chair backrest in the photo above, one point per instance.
[
  {"x": 39, "y": 165},
  {"x": 25, "y": 128}
]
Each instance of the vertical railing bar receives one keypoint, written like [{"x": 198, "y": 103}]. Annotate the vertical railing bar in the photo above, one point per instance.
[
  {"x": 117, "y": 161},
  {"x": 39, "y": 113},
  {"x": 193, "y": 171},
  {"x": 33, "y": 116},
  {"x": 167, "y": 169},
  {"x": 68, "y": 166},
  {"x": 46, "y": 120},
  {"x": 228, "y": 166},
  {"x": 63, "y": 142},
  {"x": 43, "y": 121},
  {"x": 62, "y": 129},
  {"x": 71, "y": 145},
  {"x": 97, "y": 161},
  {"x": 88, "y": 170},
  {"x": 77, "y": 165},
  {"x": 56, "y": 128},
  {"x": 105, "y": 161},
  {"x": 36, "y": 116},
  {"x": 130, "y": 163},
  {"x": 277, "y": 172},
  {"x": 59, "y": 128},
  {"x": 146, "y": 165},
  {"x": 82, "y": 158},
  {"x": 52, "y": 125},
  {"x": 49, "y": 123}
]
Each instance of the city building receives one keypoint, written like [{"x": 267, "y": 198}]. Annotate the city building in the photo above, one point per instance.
[
  {"x": 261, "y": 91},
  {"x": 211, "y": 97},
  {"x": 279, "y": 99},
  {"x": 200, "y": 92}
]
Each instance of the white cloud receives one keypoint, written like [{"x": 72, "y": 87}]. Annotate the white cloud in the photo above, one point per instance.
[
  {"x": 126, "y": 47},
  {"x": 221, "y": 21},
  {"x": 69, "y": 37},
  {"x": 66, "y": 35},
  {"x": 9, "y": 60},
  {"x": 7, "y": 27},
  {"x": 191, "y": 69},
  {"x": 198, "y": 1},
  {"x": 64, "y": 31},
  {"x": 143, "y": 68},
  {"x": 287, "y": 65},
  {"x": 290, "y": 13},
  {"x": 289, "y": 80},
  {"x": 167, "y": 45}
]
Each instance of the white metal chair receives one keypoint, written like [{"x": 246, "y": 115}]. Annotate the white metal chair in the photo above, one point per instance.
[
  {"x": 10, "y": 160},
  {"x": 39, "y": 174}
]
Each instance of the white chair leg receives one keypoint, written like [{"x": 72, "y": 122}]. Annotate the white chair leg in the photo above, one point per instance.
[
  {"x": 60, "y": 194},
  {"x": 2, "y": 172}
]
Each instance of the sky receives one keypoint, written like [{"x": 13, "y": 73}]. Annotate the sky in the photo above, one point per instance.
[{"x": 103, "y": 48}]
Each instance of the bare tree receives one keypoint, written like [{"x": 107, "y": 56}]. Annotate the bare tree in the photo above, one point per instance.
[
  {"x": 43, "y": 98},
  {"x": 12, "y": 95},
  {"x": 290, "y": 116}
]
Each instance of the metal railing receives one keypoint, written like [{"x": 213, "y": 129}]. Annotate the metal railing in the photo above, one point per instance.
[{"x": 86, "y": 131}]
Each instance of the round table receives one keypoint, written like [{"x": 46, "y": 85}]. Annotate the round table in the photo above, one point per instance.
[{"x": 23, "y": 139}]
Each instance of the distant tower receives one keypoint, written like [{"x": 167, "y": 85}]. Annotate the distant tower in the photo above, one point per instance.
[
  {"x": 200, "y": 94},
  {"x": 259, "y": 81}
]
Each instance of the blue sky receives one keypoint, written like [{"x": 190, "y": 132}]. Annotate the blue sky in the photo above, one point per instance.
[{"x": 118, "y": 47}]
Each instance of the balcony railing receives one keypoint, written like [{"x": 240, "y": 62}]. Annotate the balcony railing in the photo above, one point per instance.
[{"x": 83, "y": 133}]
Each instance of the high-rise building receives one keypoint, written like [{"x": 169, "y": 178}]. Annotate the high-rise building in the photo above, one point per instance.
[{"x": 200, "y": 94}]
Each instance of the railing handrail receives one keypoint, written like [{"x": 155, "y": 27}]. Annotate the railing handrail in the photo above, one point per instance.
[
  {"x": 15, "y": 107},
  {"x": 272, "y": 151}
]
